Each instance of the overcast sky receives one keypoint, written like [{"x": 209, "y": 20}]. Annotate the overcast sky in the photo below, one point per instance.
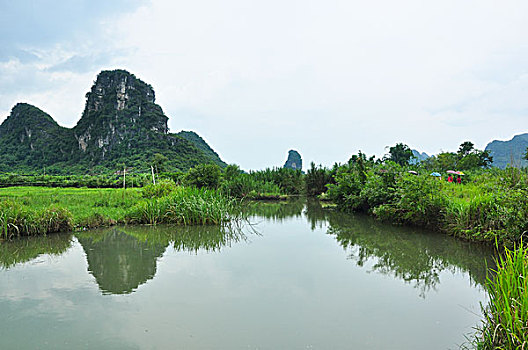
[{"x": 257, "y": 78}]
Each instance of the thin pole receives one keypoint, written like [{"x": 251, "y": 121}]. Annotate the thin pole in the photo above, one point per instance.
[{"x": 153, "y": 178}]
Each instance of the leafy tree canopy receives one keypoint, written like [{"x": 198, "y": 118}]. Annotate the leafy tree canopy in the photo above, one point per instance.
[{"x": 400, "y": 154}]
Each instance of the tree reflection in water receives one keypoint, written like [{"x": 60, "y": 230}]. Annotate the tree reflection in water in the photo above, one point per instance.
[
  {"x": 24, "y": 249},
  {"x": 413, "y": 255}
]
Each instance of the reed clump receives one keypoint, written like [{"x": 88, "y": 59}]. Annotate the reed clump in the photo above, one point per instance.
[
  {"x": 184, "y": 206},
  {"x": 505, "y": 325},
  {"x": 20, "y": 220}
]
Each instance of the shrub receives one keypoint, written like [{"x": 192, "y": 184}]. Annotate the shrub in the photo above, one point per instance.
[
  {"x": 203, "y": 175},
  {"x": 160, "y": 189}
]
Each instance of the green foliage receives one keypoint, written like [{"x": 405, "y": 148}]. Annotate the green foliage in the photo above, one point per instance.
[
  {"x": 247, "y": 186},
  {"x": 289, "y": 181},
  {"x": 400, "y": 154},
  {"x": 21, "y": 220},
  {"x": 184, "y": 206},
  {"x": 467, "y": 158},
  {"x": 231, "y": 172},
  {"x": 158, "y": 162},
  {"x": 34, "y": 210},
  {"x": 160, "y": 189},
  {"x": 264, "y": 184},
  {"x": 203, "y": 175},
  {"x": 90, "y": 181},
  {"x": 416, "y": 201},
  {"x": 349, "y": 181},
  {"x": 491, "y": 204},
  {"x": 506, "y": 316},
  {"x": 317, "y": 178}
]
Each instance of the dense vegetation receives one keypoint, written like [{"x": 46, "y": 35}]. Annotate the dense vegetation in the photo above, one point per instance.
[
  {"x": 489, "y": 204},
  {"x": 39, "y": 210},
  {"x": 506, "y": 316}
]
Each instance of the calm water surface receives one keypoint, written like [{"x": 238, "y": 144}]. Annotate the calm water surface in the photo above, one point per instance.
[{"x": 299, "y": 278}]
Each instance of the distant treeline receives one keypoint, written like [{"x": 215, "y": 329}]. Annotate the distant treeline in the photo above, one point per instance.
[{"x": 90, "y": 181}]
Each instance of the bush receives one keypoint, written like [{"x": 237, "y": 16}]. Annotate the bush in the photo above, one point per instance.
[
  {"x": 160, "y": 189},
  {"x": 203, "y": 175}
]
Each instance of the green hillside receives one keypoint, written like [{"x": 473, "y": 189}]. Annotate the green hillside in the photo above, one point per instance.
[{"x": 121, "y": 126}]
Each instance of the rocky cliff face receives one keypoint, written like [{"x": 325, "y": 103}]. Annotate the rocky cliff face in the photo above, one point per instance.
[
  {"x": 294, "y": 160},
  {"x": 119, "y": 107},
  {"x": 509, "y": 152},
  {"x": 121, "y": 124}
]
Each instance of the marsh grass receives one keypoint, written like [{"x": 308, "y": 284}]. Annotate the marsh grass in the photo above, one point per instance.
[
  {"x": 19, "y": 220},
  {"x": 184, "y": 206},
  {"x": 41, "y": 210},
  {"x": 505, "y": 325}
]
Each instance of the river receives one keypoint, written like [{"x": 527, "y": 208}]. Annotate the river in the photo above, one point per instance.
[{"x": 297, "y": 276}]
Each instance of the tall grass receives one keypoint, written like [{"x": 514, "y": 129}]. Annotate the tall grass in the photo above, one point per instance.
[
  {"x": 506, "y": 316},
  {"x": 40, "y": 210},
  {"x": 184, "y": 206},
  {"x": 19, "y": 220}
]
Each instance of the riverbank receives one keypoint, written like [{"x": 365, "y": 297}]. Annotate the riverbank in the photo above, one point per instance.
[
  {"x": 42, "y": 210},
  {"x": 490, "y": 205}
]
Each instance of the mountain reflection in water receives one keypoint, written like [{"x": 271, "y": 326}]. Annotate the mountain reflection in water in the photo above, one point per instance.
[{"x": 123, "y": 258}]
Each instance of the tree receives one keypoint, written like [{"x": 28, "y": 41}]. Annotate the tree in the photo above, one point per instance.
[
  {"x": 526, "y": 154},
  {"x": 316, "y": 179},
  {"x": 158, "y": 162},
  {"x": 466, "y": 158},
  {"x": 231, "y": 172},
  {"x": 203, "y": 175},
  {"x": 400, "y": 154},
  {"x": 485, "y": 159},
  {"x": 465, "y": 149}
]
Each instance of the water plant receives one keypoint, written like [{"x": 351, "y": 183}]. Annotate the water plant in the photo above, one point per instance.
[
  {"x": 184, "y": 206},
  {"x": 505, "y": 324},
  {"x": 19, "y": 220}
]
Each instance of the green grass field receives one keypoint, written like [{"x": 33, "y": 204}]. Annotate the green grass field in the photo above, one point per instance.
[{"x": 40, "y": 210}]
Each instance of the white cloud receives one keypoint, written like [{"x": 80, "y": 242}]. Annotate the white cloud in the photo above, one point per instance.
[{"x": 256, "y": 79}]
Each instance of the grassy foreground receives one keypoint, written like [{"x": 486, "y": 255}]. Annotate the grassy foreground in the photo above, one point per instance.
[
  {"x": 506, "y": 316},
  {"x": 41, "y": 210}
]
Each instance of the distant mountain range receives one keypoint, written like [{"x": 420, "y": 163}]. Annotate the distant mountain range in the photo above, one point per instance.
[
  {"x": 509, "y": 152},
  {"x": 418, "y": 157},
  {"x": 121, "y": 126}
]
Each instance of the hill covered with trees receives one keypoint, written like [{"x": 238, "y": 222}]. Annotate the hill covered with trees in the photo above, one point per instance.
[{"x": 121, "y": 126}]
